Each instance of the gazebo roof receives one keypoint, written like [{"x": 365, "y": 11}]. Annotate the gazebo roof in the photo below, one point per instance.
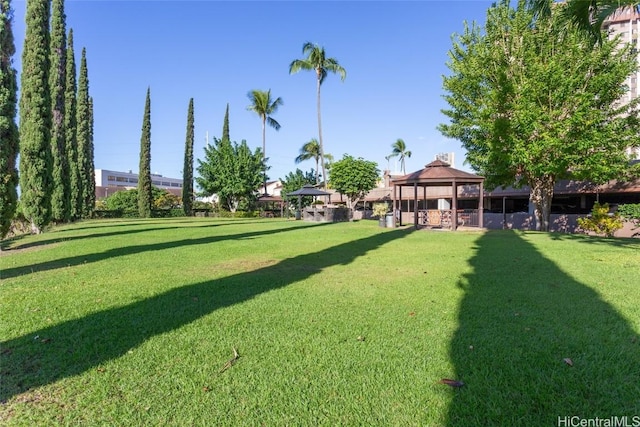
[
  {"x": 308, "y": 190},
  {"x": 438, "y": 173}
]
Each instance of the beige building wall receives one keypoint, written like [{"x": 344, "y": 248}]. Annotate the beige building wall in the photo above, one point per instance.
[{"x": 626, "y": 23}]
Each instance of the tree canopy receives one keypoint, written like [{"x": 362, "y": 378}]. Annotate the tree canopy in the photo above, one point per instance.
[
  {"x": 533, "y": 102},
  {"x": 231, "y": 171},
  {"x": 295, "y": 181},
  {"x": 8, "y": 129},
  {"x": 354, "y": 178}
]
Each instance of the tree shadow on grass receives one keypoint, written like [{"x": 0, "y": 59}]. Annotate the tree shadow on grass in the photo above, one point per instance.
[
  {"x": 75, "y": 346},
  {"x": 61, "y": 235},
  {"x": 520, "y": 318},
  {"x": 7, "y": 273},
  {"x": 620, "y": 242}
]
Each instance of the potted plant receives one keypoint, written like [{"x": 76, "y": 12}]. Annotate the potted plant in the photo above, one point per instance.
[{"x": 380, "y": 210}]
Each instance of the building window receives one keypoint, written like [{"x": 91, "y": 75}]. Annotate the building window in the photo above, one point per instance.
[
  {"x": 111, "y": 178},
  {"x": 121, "y": 179}
]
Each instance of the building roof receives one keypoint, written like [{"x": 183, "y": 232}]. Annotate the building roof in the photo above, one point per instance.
[{"x": 438, "y": 173}]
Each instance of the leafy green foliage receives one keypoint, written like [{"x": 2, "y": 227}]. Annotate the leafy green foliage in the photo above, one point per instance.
[
  {"x": 630, "y": 211},
  {"x": 187, "y": 171},
  {"x": 231, "y": 171},
  {"x": 601, "y": 221},
  {"x": 127, "y": 200},
  {"x": 60, "y": 195},
  {"x": 8, "y": 130},
  {"x": 35, "y": 118},
  {"x": 70, "y": 127},
  {"x": 84, "y": 134},
  {"x": 145, "y": 198},
  {"x": 533, "y": 101},
  {"x": 295, "y": 181},
  {"x": 354, "y": 178}
]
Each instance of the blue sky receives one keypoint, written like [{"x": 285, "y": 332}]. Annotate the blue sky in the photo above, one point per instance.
[{"x": 215, "y": 51}]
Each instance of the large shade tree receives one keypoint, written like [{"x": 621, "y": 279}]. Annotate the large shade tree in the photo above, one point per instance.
[
  {"x": 8, "y": 128},
  {"x": 230, "y": 171},
  {"x": 316, "y": 60},
  {"x": 399, "y": 149},
  {"x": 264, "y": 106},
  {"x": 35, "y": 118},
  {"x": 354, "y": 178},
  {"x": 533, "y": 102}
]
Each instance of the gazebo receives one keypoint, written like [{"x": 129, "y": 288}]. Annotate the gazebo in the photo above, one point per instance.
[{"x": 440, "y": 174}]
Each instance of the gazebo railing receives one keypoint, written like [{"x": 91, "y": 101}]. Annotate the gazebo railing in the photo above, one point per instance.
[{"x": 442, "y": 217}]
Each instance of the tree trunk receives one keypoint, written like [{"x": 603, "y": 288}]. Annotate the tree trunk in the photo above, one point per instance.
[
  {"x": 264, "y": 154},
  {"x": 324, "y": 172},
  {"x": 541, "y": 196}
]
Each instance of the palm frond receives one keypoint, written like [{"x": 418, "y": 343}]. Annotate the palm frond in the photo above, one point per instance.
[
  {"x": 299, "y": 64},
  {"x": 273, "y": 123}
]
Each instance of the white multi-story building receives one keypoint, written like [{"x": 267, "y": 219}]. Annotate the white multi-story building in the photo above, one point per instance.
[
  {"x": 108, "y": 182},
  {"x": 626, "y": 23}
]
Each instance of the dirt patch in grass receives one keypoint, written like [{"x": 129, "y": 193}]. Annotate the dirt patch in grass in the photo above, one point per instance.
[{"x": 37, "y": 399}]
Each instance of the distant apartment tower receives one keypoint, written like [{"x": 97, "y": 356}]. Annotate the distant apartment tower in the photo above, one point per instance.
[
  {"x": 447, "y": 158},
  {"x": 626, "y": 23}
]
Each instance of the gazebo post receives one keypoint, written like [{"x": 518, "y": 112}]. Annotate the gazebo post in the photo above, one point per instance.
[
  {"x": 481, "y": 207},
  {"x": 400, "y": 208},
  {"x": 415, "y": 205},
  {"x": 454, "y": 206}
]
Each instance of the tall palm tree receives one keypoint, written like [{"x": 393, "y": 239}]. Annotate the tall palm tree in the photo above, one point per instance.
[
  {"x": 588, "y": 15},
  {"x": 264, "y": 106},
  {"x": 317, "y": 61},
  {"x": 311, "y": 150},
  {"x": 400, "y": 150}
]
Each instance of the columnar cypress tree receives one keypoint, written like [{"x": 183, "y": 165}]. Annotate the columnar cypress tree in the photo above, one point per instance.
[
  {"x": 60, "y": 202},
  {"x": 225, "y": 125},
  {"x": 8, "y": 129},
  {"x": 35, "y": 118},
  {"x": 83, "y": 134},
  {"x": 91, "y": 181},
  {"x": 145, "y": 198},
  {"x": 70, "y": 120},
  {"x": 187, "y": 171}
]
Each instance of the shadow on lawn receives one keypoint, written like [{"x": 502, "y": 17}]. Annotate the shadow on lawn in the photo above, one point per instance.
[
  {"x": 75, "y": 346},
  {"x": 8, "y": 273},
  {"x": 61, "y": 235},
  {"x": 520, "y": 317}
]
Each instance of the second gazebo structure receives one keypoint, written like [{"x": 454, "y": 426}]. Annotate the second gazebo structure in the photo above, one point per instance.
[{"x": 440, "y": 174}]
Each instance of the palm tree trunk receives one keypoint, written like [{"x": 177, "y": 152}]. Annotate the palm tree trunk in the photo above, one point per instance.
[
  {"x": 264, "y": 154},
  {"x": 324, "y": 172}
]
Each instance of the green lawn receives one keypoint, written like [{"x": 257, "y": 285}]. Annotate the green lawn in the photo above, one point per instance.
[{"x": 129, "y": 322}]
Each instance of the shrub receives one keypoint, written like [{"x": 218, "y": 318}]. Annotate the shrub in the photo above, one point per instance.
[
  {"x": 380, "y": 209},
  {"x": 631, "y": 213},
  {"x": 600, "y": 221}
]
